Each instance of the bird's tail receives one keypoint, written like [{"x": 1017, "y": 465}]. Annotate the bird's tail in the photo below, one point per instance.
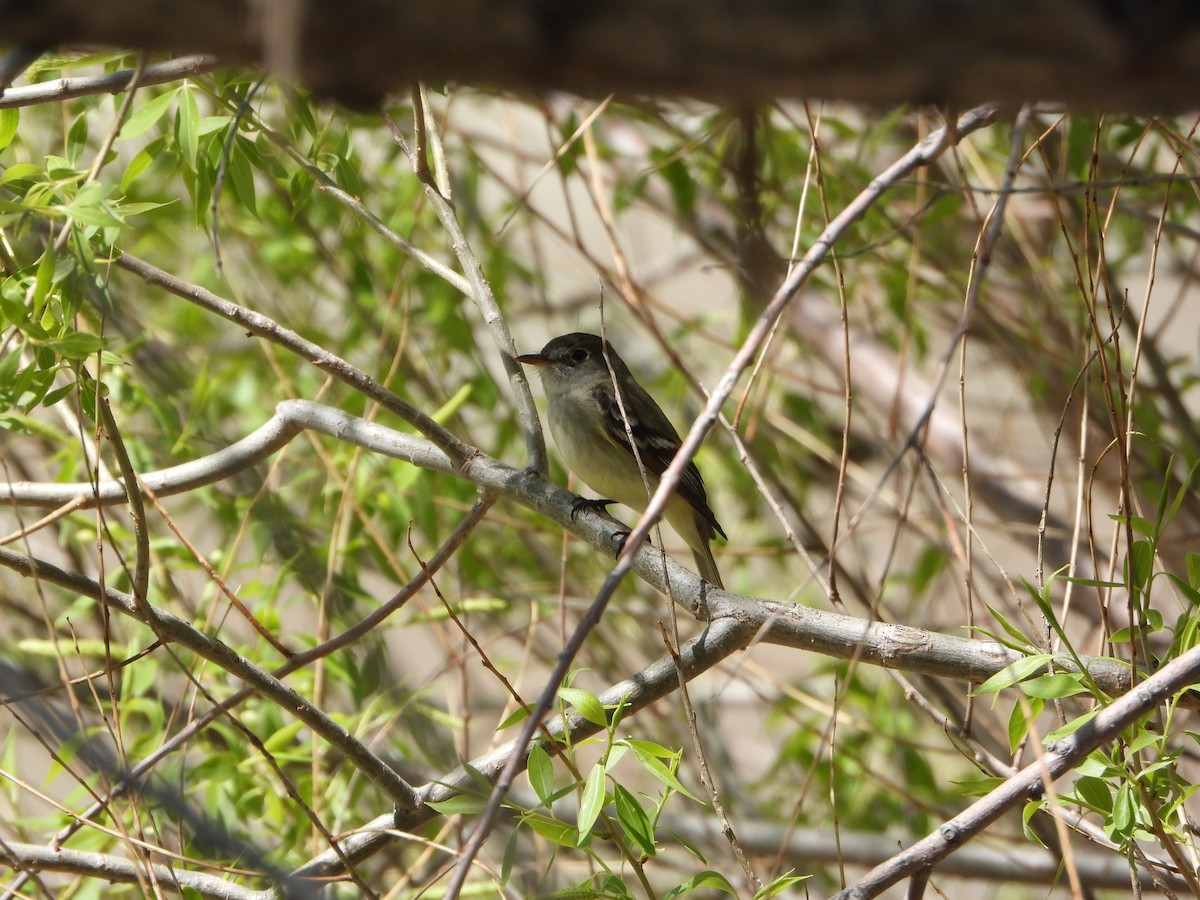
[{"x": 707, "y": 566}]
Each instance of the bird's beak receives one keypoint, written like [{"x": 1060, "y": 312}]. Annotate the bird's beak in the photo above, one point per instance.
[{"x": 534, "y": 359}]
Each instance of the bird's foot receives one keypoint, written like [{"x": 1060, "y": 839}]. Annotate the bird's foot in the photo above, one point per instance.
[
  {"x": 581, "y": 503},
  {"x": 622, "y": 536}
]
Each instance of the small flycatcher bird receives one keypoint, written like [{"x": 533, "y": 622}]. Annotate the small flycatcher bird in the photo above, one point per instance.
[{"x": 578, "y": 373}]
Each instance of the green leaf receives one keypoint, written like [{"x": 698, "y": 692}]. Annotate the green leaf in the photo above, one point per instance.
[
  {"x": 1124, "y": 814},
  {"x": 283, "y": 739},
  {"x": 1141, "y": 557},
  {"x": 1193, "y": 568},
  {"x": 585, "y": 704},
  {"x": 1010, "y": 629},
  {"x": 1141, "y": 525},
  {"x": 450, "y": 407},
  {"x": 520, "y": 714},
  {"x": 979, "y": 787},
  {"x": 187, "y": 127},
  {"x": 144, "y": 118},
  {"x": 540, "y": 770},
  {"x": 242, "y": 179},
  {"x": 76, "y": 345},
  {"x": 77, "y": 137},
  {"x": 1050, "y": 687},
  {"x": 19, "y": 172},
  {"x": 136, "y": 167},
  {"x": 779, "y": 885},
  {"x": 709, "y": 880},
  {"x": 9, "y": 119},
  {"x": 93, "y": 212},
  {"x": 1095, "y": 793},
  {"x": 1028, "y": 812},
  {"x": 1019, "y": 719},
  {"x": 554, "y": 831},
  {"x": 1013, "y": 673},
  {"x": 1187, "y": 588},
  {"x": 1071, "y": 727},
  {"x": 44, "y": 280},
  {"x": 634, "y": 821},
  {"x": 592, "y": 802},
  {"x": 650, "y": 756},
  {"x": 460, "y": 805}
]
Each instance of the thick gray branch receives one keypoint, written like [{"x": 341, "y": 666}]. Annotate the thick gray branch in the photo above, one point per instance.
[
  {"x": 117, "y": 870},
  {"x": 788, "y": 624},
  {"x": 962, "y": 52}
]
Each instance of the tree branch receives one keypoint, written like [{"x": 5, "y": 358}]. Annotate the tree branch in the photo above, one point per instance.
[
  {"x": 960, "y": 52},
  {"x": 108, "y": 83},
  {"x": 1032, "y": 781},
  {"x": 776, "y": 622}
]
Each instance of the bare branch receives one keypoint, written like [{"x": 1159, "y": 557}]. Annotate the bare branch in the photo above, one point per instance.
[
  {"x": 109, "y": 83},
  {"x": 265, "y": 327},
  {"x": 172, "y": 628},
  {"x": 106, "y": 867},
  {"x": 925, "y": 51},
  {"x": 1032, "y": 781}
]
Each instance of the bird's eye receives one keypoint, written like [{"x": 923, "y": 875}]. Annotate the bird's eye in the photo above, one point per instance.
[{"x": 578, "y": 355}]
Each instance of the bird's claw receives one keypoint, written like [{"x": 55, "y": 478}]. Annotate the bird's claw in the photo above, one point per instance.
[
  {"x": 622, "y": 536},
  {"x": 582, "y": 503}
]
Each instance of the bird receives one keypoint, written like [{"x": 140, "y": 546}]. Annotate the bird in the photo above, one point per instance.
[{"x": 578, "y": 373}]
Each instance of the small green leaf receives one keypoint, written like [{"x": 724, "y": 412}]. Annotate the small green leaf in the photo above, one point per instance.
[
  {"x": 1013, "y": 672},
  {"x": 592, "y": 802},
  {"x": 1095, "y": 793},
  {"x": 76, "y": 345},
  {"x": 9, "y": 119},
  {"x": 1141, "y": 557},
  {"x": 1018, "y": 721},
  {"x": 19, "y": 172},
  {"x": 1141, "y": 525},
  {"x": 520, "y": 714},
  {"x": 1010, "y": 629},
  {"x": 650, "y": 756},
  {"x": 779, "y": 885},
  {"x": 145, "y": 116},
  {"x": 187, "y": 126},
  {"x": 1050, "y": 687},
  {"x": 540, "y": 770},
  {"x": 1071, "y": 727},
  {"x": 634, "y": 821},
  {"x": 242, "y": 179},
  {"x": 554, "y": 831},
  {"x": 1028, "y": 812},
  {"x": 284, "y": 738},
  {"x": 585, "y": 704},
  {"x": 136, "y": 167},
  {"x": 1193, "y": 568},
  {"x": 96, "y": 213},
  {"x": 450, "y": 407},
  {"x": 713, "y": 881},
  {"x": 1124, "y": 813},
  {"x": 460, "y": 805},
  {"x": 979, "y": 787},
  {"x": 77, "y": 137},
  {"x": 44, "y": 280}
]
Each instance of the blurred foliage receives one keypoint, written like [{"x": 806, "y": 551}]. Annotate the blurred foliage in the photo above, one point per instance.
[{"x": 681, "y": 218}]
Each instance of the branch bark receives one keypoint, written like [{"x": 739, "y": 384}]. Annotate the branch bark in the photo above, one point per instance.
[
  {"x": 959, "y": 52},
  {"x": 772, "y": 621}
]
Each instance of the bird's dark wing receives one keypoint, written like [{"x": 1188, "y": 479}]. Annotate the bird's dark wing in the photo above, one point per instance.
[{"x": 657, "y": 441}]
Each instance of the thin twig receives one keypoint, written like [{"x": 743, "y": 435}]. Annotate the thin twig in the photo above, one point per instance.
[
  {"x": 171, "y": 628},
  {"x": 480, "y": 293},
  {"x": 265, "y": 327}
]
